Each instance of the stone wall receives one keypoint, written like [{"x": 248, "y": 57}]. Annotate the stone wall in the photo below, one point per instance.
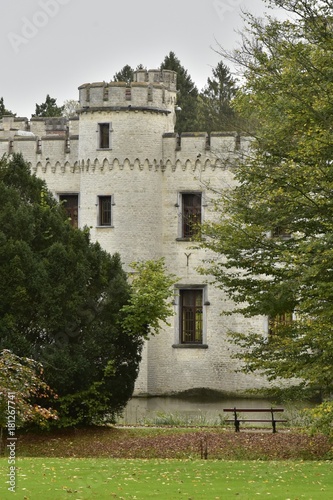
[{"x": 145, "y": 169}]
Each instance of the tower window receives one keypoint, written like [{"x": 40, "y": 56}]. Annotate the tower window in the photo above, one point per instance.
[
  {"x": 104, "y": 210},
  {"x": 191, "y": 214},
  {"x": 104, "y": 135}
]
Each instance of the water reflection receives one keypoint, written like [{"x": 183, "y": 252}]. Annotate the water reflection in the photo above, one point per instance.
[{"x": 146, "y": 410}]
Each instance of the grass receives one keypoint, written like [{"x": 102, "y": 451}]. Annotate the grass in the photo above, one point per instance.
[
  {"x": 179, "y": 419},
  {"x": 168, "y": 463},
  {"x": 97, "y": 478},
  {"x": 150, "y": 443}
]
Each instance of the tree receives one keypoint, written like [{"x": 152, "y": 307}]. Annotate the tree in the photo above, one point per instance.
[
  {"x": 70, "y": 108},
  {"x": 126, "y": 74},
  {"x": 148, "y": 304},
  {"x": 187, "y": 98},
  {"x": 215, "y": 101},
  {"x": 49, "y": 108},
  {"x": 62, "y": 302},
  {"x": 21, "y": 387},
  {"x": 273, "y": 240},
  {"x": 3, "y": 110}
]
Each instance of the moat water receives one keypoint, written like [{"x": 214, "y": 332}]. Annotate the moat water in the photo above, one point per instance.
[{"x": 196, "y": 411}]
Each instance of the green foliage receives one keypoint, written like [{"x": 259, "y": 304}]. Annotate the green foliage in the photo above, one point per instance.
[
  {"x": 3, "y": 110},
  {"x": 149, "y": 302},
  {"x": 211, "y": 110},
  {"x": 273, "y": 240},
  {"x": 187, "y": 98},
  {"x": 65, "y": 302},
  {"x": 22, "y": 388},
  {"x": 126, "y": 74},
  {"x": 320, "y": 419},
  {"x": 182, "y": 420},
  {"x": 215, "y": 112},
  {"x": 49, "y": 108}
]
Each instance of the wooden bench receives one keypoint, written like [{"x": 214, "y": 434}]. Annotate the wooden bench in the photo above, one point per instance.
[{"x": 238, "y": 419}]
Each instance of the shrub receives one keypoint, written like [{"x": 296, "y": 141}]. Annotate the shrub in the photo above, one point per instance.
[{"x": 321, "y": 419}]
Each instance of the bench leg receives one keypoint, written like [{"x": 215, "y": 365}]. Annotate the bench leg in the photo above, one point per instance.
[
  {"x": 274, "y": 426},
  {"x": 236, "y": 420}
]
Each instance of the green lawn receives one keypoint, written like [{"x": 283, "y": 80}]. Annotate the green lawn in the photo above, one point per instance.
[{"x": 81, "y": 478}]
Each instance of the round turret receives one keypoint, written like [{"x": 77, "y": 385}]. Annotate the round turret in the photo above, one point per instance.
[{"x": 112, "y": 113}]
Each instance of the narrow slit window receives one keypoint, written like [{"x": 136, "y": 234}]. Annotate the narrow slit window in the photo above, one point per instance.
[{"x": 104, "y": 141}]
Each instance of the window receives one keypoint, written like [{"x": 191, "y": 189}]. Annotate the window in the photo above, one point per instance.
[
  {"x": 281, "y": 233},
  {"x": 191, "y": 316},
  {"x": 190, "y": 213},
  {"x": 104, "y": 210},
  {"x": 279, "y": 321},
  {"x": 70, "y": 202},
  {"x": 104, "y": 135}
]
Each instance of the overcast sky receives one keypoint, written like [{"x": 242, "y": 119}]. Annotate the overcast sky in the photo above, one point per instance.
[{"x": 53, "y": 46}]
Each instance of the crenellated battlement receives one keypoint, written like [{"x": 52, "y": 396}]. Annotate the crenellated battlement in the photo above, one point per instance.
[
  {"x": 52, "y": 145},
  {"x": 55, "y": 150},
  {"x": 152, "y": 89},
  {"x": 12, "y": 127},
  {"x": 120, "y": 170},
  {"x": 204, "y": 146},
  {"x": 138, "y": 118},
  {"x": 40, "y": 138}
]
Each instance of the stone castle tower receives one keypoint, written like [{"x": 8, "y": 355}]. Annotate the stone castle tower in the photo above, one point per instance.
[{"x": 121, "y": 170}]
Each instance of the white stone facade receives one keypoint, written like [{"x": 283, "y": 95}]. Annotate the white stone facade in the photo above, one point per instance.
[{"x": 145, "y": 169}]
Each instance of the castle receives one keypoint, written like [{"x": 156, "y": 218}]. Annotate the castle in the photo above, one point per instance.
[{"x": 120, "y": 169}]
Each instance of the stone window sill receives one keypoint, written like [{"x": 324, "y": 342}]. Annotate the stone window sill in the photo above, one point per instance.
[{"x": 190, "y": 346}]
